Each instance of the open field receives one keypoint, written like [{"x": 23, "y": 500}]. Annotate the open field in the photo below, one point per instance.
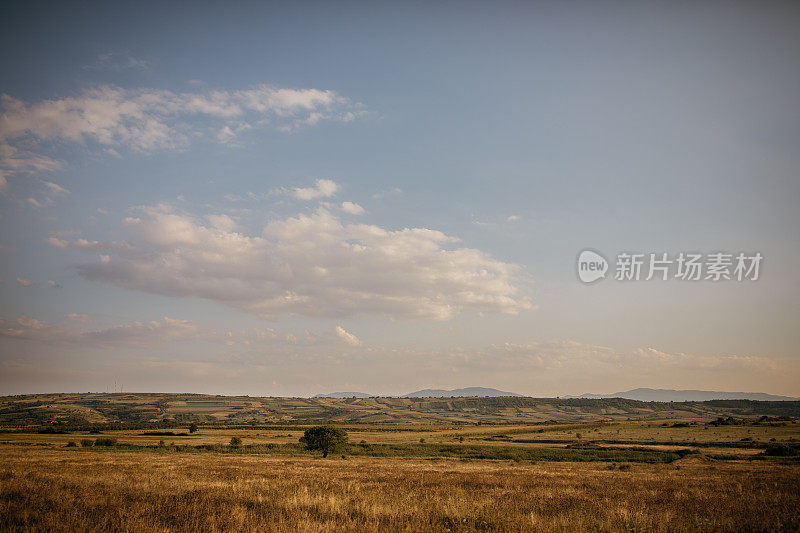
[
  {"x": 139, "y": 407},
  {"x": 55, "y": 489},
  {"x": 748, "y": 437},
  {"x": 651, "y": 473}
]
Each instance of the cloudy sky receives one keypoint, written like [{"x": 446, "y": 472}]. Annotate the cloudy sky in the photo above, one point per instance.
[{"x": 293, "y": 198}]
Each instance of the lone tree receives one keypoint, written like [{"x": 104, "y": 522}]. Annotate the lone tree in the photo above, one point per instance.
[
  {"x": 327, "y": 439},
  {"x": 192, "y": 427}
]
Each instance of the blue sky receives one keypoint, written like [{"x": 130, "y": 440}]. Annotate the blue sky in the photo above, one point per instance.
[{"x": 295, "y": 198}]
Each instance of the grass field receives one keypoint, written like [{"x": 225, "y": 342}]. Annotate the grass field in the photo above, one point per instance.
[
  {"x": 55, "y": 490},
  {"x": 651, "y": 474}
]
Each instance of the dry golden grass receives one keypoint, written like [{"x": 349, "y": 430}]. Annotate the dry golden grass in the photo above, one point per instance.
[{"x": 59, "y": 490}]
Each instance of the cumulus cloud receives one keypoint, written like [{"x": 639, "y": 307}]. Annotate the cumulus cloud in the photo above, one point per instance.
[
  {"x": 147, "y": 120},
  {"x": 352, "y": 208},
  {"x": 222, "y": 222},
  {"x": 310, "y": 264},
  {"x": 322, "y": 189},
  {"x": 347, "y": 337}
]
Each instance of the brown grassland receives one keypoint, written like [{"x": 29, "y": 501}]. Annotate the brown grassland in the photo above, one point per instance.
[
  {"x": 57, "y": 490},
  {"x": 130, "y": 463}
]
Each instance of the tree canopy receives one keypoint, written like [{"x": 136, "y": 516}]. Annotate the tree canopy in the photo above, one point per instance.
[{"x": 326, "y": 439}]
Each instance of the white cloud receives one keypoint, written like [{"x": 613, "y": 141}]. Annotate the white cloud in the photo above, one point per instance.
[
  {"x": 138, "y": 334},
  {"x": 147, "y": 120},
  {"x": 513, "y": 218},
  {"x": 352, "y": 208},
  {"x": 78, "y": 244},
  {"x": 396, "y": 191},
  {"x": 24, "y": 282},
  {"x": 540, "y": 368},
  {"x": 312, "y": 265},
  {"x": 55, "y": 188},
  {"x": 44, "y": 202},
  {"x": 222, "y": 222},
  {"x": 15, "y": 161},
  {"x": 570, "y": 356},
  {"x": 226, "y": 135},
  {"x": 322, "y": 189},
  {"x": 53, "y": 284},
  {"x": 73, "y": 333},
  {"x": 347, "y": 337}
]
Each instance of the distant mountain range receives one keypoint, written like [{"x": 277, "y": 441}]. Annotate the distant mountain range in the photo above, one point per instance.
[
  {"x": 669, "y": 395},
  {"x": 641, "y": 394},
  {"x": 429, "y": 393},
  {"x": 455, "y": 393},
  {"x": 344, "y": 395}
]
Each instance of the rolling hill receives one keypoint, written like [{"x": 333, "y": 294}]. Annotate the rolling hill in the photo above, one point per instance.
[
  {"x": 148, "y": 408},
  {"x": 669, "y": 395}
]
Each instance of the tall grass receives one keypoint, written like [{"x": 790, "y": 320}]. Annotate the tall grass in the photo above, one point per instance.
[{"x": 57, "y": 489}]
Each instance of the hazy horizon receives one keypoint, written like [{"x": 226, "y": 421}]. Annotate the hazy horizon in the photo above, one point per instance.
[{"x": 286, "y": 199}]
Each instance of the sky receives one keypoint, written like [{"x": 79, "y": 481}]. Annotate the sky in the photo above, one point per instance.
[{"x": 291, "y": 198}]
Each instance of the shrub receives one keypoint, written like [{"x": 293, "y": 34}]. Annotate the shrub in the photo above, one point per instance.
[
  {"x": 192, "y": 428},
  {"x": 326, "y": 439},
  {"x": 52, "y": 431},
  {"x": 105, "y": 441},
  {"x": 236, "y": 442},
  {"x": 780, "y": 450},
  {"x": 686, "y": 451},
  {"x": 87, "y": 443},
  {"x": 71, "y": 444}
]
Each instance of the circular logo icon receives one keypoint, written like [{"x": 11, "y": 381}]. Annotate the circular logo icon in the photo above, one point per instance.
[{"x": 591, "y": 266}]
